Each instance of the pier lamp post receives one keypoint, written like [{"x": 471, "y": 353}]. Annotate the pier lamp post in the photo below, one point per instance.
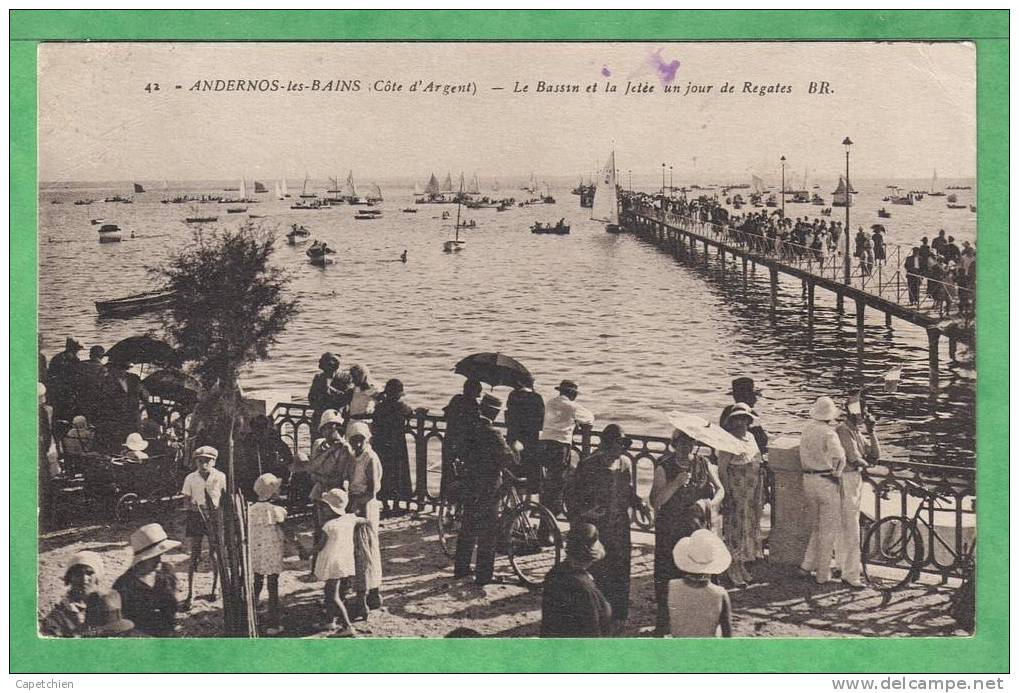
[
  {"x": 670, "y": 182},
  {"x": 783, "y": 186},
  {"x": 629, "y": 173},
  {"x": 663, "y": 180},
  {"x": 849, "y": 198}
]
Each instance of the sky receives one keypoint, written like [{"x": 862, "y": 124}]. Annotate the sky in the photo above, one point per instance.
[{"x": 909, "y": 108}]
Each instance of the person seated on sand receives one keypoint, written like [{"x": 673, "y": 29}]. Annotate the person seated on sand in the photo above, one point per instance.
[
  {"x": 82, "y": 577},
  {"x": 103, "y": 616},
  {"x": 148, "y": 589}
]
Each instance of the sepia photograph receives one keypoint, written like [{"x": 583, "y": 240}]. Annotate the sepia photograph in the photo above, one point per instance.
[{"x": 473, "y": 339}]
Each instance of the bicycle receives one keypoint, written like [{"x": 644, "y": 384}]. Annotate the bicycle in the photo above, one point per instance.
[
  {"x": 529, "y": 534},
  {"x": 896, "y": 540}
]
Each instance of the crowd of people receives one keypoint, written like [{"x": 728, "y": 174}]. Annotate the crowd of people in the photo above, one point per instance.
[
  {"x": 707, "y": 504},
  {"x": 948, "y": 269}
]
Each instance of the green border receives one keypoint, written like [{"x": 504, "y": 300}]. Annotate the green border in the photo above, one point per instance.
[{"x": 985, "y": 652}]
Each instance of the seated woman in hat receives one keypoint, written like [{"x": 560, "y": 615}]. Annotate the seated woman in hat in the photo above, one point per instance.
[
  {"x": 82, "y": 577},
  {"x": 148, "y": 589},
  {"x": 572, "y": 606},
  {"x": 698, "y": 608},
  {"x": 685, "y": 490},
  {"x": 103, "y": 616}
]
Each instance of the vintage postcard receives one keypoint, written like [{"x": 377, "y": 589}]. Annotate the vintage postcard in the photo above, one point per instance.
[{"x": 621, "y": 339}]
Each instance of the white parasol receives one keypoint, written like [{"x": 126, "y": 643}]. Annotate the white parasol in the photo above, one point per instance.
[{"x": 706, "y": 433}]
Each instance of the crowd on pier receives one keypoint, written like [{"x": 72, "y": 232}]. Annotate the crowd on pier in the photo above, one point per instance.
[
  {"x": 707, "y": 501},
  {"x": 942, "y": 269}
]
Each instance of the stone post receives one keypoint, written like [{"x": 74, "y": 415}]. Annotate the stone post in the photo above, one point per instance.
[{"x": 790, "y": 529}]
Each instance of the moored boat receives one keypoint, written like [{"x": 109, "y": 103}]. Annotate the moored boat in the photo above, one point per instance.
[
  {"x": 109, "y": 233},
  {"x": 136, "y": 304},
  {"x": 560, "y": 228},
  {"x": 884, "y": 213},
  {"x": 200, "y": 220}
]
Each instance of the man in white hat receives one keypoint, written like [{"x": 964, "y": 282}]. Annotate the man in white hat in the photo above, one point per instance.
[
  {"x": 201, "y": 486},
  {"x": 562, "y": 416},
  {"x": 82, "y": 577},
  {"x": 823, "y": 460},
  {"x": 148, "y": 590}
]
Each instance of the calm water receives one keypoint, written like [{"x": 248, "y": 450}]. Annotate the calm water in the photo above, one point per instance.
[{"x": 641, "y": 332}]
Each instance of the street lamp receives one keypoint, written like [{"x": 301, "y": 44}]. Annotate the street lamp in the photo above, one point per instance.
[
  {"x": 670, "y": 182},
  {"x": 663, "y": 179},
  {"x": 848, "y": 143},
  {"x": 783, "y": 186},
  {"x": 629, "y": 173}
]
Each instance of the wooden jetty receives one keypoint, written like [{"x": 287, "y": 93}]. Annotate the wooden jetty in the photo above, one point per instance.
[{"x": 884, "y": 288}]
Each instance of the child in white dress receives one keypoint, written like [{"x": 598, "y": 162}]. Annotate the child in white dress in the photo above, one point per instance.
[
  {"x": 335, "y": 559},
  {"x": 266, "y": 543}
]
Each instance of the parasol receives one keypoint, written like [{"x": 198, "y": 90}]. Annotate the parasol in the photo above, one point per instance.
[
  {"x": 174, "y": 384},
  {"x": 494, "y": 369},
  {"x": 706, "y": 433},
  {"x": 144, "y": 349}
]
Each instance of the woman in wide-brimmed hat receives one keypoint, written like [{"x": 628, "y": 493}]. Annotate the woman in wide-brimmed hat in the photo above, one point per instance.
[
  {"x": 741, "y": 478},
  {"x": 685, "y": 490},
  {"x": 148, "y": 589},
  {"x": 103, "y": 616},
  {"x": 698, "y": 608}
]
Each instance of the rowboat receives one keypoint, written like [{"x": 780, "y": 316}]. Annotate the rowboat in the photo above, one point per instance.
[
  {"x": 135, "y": 304},
  {"x": 109, "y": 233}
]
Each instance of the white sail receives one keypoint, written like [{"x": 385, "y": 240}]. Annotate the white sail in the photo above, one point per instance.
[
  {"x": 934, "y": 181},
  {"x": 605, "y": 207},
  {"x": 531, "y": 186},
  {"x": 244, "y": 189},
  {"x": 349, "y": 190},
  {"x": 166, "y": 186},
  {"x": 475, "y": 186},
  {"x": 283, "y": 186},
  {"x": 417, "y": 189},
  {"x": 758, "y": 184},
  {"x": 447, "y": 185},
  {"x": 278, "y": 191},
  {"x": 495, "y": 186}
]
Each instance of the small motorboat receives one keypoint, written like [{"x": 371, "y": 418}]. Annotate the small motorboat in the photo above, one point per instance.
[
  {"x": 884, "y": 213},
  {"x": 136, "y": 304},
  {"x": 560, "y": 228},
  {"x": 109, "y": 233}
]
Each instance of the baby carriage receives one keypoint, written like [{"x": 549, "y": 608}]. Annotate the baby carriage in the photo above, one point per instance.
[{"x": 126, "y": 487}]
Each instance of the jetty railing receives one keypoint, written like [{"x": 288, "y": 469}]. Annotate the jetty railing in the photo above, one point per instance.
[
  {"x": 887, "y": 480},
  {"x": 886, "y": 280}
]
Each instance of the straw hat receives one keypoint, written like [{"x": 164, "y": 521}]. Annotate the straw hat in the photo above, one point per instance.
[
  {"x": 267, "y": 485},
  {"x": 701, "y": 553},
  {"x": 359, "y": 428},
  {"x": 149, "y": 541},
  {"x": 87, "y": 558},
  {"x": 103, "y": 614},
  {"x": 136, "y": 442},
  {"x": 824, "y": 409},
  {"x": 330, "y": 416},
  {"x": 336, "y": 499},
  {"x": 741, "y": 409}
]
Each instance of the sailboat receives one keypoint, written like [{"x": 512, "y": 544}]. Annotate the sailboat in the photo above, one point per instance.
[
  {"x": 447, "y": 185},
  {"x": 138, "y": 188},
  {"x": 531, "y": 185},
  {"x": 260, "y": 188},
  {"x": 166, "y": 186},
  {"x": 842, "y": 195},
  {"x": 350, "y": 192},
  {"x": 278, "y": 191},
  {"x": 475, "y": 188},
  {"x": 283, "y": 187},
  {"x": 495, "y": 185},
  {"x": 934, "y": 192},
  {"x": 456, "y": 245},
  {"x": 304, "y": 188},
  {"x": 606, "y": 203},
  {"x": 375, "y": 196}
]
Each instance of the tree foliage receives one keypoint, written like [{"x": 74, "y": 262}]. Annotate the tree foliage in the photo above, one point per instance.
[{"x": 231, "y": 304}]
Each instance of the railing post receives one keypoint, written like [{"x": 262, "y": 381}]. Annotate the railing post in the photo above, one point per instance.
[
  {"x": 420, "y": 458},
  {"x": 585, "y": 440}
]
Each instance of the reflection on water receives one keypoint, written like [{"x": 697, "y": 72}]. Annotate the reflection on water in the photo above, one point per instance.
[{"x": 642, "y": 332}]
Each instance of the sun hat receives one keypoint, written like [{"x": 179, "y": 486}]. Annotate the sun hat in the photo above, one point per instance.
[
  {"x": 149, "y": 541},
  {"x": 206, "y": 452},
  {"x": 613, "y": 433},
  {"x": 87, "y": 558},
  {"x": 336, "y": 499},
  {"x": 701, "y": 553},
  {"x": 583, "y": 545},
  {"x": 267, "y": 485},
  {"x": 741, "y": 409},
  {"x": 744, "y": 386},
  {"x": 568, "y": 386},
  {"x": 824, "y": 409},
  {"x": 359, "y": 428},
  {"x": 136, "y": 442},
  {"x": 490, "y": 401},
  {"x": 330, "y": 416},
  {"x": 103, "y": 614}
]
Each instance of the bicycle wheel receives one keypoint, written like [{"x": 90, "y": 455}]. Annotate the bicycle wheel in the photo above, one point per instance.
[
  {"x": 533, "y": 542},
  {"x": 450, "y": 520},
  {"x": 892, "y": 553}
]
